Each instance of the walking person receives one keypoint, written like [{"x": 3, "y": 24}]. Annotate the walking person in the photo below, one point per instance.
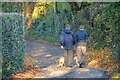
[
  {"x": 67, "y": 42},
  {"x": 80, "y": 40}
]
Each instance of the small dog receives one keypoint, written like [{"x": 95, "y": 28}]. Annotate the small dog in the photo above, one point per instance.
[
  {"x": 62, "y": 61},
  {"x": 76, "y": 61}
]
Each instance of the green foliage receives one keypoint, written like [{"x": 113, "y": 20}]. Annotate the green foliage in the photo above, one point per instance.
[
  {"x": 51, "y": 24},
  {"x": 116, "y": 53},
  {"x": 102, "y": 27},
  {"x": 42, "y": 30},
  {"x": 43, "y": 27},
  {"x": 40, "y": 9},
  {"x": 0, "y": 49},
  {"x": 0, "y": 45},
  {"x": 101, "y": 21},
  {"x": 63, "y": 6},
  {"x": 110, "y": 28},
  {"x": 12, "y": 43},
  {"x": 12, "y": 6},
  {"x": 105, "y": 29}
]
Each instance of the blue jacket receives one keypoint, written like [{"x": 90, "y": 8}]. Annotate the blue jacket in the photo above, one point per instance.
[
  {"x": 80, "y": 35},
  {"x": 67, "y": 39}
]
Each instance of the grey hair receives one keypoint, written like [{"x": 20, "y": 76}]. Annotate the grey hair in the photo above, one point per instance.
[{"x": 82, "y": 26}]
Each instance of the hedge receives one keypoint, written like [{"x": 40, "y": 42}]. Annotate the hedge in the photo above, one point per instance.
[
  {"x": 12, "y": 43},
  {"x": 0, "y": 48}
]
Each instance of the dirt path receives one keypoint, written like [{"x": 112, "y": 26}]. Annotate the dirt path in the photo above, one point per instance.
[
  {"x": 47, "y": 58},
  {"x": 46, "y": 55}
]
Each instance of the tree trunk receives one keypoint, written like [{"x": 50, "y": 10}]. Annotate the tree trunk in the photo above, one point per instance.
[{"x": 29, "y": 7}]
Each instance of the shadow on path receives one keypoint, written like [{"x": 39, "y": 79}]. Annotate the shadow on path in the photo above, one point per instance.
[{"x": 47, "y": 58}]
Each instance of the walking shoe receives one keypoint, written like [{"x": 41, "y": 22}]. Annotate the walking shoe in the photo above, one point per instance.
[
  {"x": 82, "y": 65},
  {"x": 70, "y": 66}
]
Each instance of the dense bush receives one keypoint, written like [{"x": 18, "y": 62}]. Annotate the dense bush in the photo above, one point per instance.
[
  {"x": 106, "y": 25},
  {"x": 12, "y": 43},
  {"x": 0, "y": 49},
  {"x": 43, "y": 29}
]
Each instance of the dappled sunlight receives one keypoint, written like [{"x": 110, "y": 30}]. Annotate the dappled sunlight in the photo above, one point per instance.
[
  {"x": 28, "y": 72},
  {"x": 39, "y": 9},
  {"x": 58, "y": 73},
  {"x": 101, "y": 59},
  {"x": 31, "y": 39},
  {"x": 48, "y": 55},
  {"x": 43, "y": 47},
  {"x": 40, "y": 50},
  {"x": 38, "y": 53},
  {"x": 47, "y": 67},
  {"x": 88, "y": 73},
  {"x": 83, "y": 70},
  {"x": 93, "y": 64},
  {"x": 29, "y": 60},
  {"x": 23, "y": 75}
]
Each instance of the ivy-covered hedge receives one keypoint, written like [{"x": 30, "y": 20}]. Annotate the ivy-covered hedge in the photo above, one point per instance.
[
  {"x": 0, "y": 49},
  {"x": 12, "y": 43}
]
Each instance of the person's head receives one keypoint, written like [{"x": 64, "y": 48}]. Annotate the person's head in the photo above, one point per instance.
[
  {"x": 81, "y": 27},
  {"x": 67, "y": 26}
]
